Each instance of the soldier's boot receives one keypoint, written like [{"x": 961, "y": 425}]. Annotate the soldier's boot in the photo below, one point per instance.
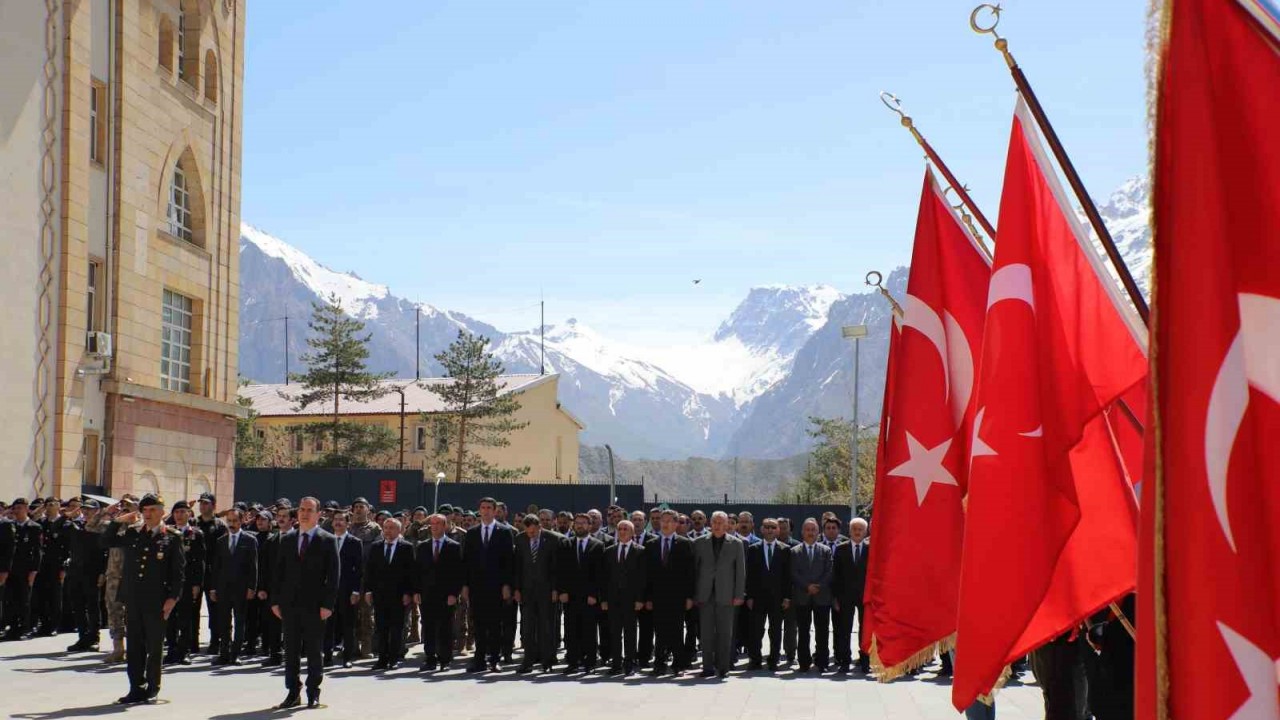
[{"x": 117, "y": 651}]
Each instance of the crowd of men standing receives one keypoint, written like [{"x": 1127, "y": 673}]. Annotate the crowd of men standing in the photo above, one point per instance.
[{"x": 336, "y": 585}]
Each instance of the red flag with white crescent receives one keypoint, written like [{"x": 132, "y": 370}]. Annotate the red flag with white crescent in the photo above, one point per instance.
[
  {"x": 1050, "y": 535},
  {"x": 1211, "y": 563},
  {"x": 913, "y": 579}
]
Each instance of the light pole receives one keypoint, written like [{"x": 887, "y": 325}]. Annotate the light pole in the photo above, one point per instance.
[
  {"x": 435, "y": 502},
  {"x": 612, "y": 497},
  {"x": 856, "y": 332}
]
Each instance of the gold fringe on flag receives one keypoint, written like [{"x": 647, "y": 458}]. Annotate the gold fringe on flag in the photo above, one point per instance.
[{"x": 919, "y": 659}]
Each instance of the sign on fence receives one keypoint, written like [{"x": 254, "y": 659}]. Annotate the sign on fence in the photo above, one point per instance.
[{"x": 387, "y": 492}]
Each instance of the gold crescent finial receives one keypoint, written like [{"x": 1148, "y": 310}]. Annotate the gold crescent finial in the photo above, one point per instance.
[
  {"x": 875, "y": 279},
  {"x": 1002, "y": 44},
  {"x": 892, "y": 102},
  {"x": 965, "y": 217}
]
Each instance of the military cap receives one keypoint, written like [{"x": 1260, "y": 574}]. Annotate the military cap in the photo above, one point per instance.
[
  {"x": 148, "y": 500},
  {"x": 181, "y": 505},
  {"x": 37, "y": 501},
  {"x": 18, "y": 501},
  {"x": 284, "y": 503},
  {"x": 445, "y": 509},
  {"x": 331, "y": 505},
  {"x": 382, "y": 513},
  {"x": 472, "y": 513},
  {"x": 359, "y": 501},
  {"x": 91, "y": 504},
  {"x": 241, "y": 506},
  {"x": 208, "y": 497},
  {"x": 419, "y": 509}
]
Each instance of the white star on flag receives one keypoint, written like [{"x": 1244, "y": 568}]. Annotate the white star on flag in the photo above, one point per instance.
[
  {"x": 978, "y": 448},
  {"x": 1260, "y": 674},
  {"x": 925, "y": 466}
]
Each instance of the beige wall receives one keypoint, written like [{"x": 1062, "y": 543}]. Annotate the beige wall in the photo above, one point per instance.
[
  {"x": 22, "y": 111},
  {"x": 549, "y": 441}
]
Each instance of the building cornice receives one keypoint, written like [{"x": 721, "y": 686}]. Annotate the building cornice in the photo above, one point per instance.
[{"x": 169, "y": 397}]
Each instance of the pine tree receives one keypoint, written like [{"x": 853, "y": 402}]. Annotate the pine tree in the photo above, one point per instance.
[
  {"x": 336, "y": 371},
  {"x": 478, "y": 413},
  {"x": 827, "y": 478}
]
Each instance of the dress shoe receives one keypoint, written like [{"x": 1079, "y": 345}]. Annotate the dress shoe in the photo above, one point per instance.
[
  {"x": 393, "y": 665},
  {"x": 495, "y": 667},
  {"x": 754, "y": 665},
  {"x": 548, "y": 667},
  {"x": 292, "y": 700},
  {"x": 475, "y": 666},
  {"x": 78, "y": 646},
  {"x": 803, "y": 667},
  {"x": 506, "y": 658},
  {"x": 184, "y": 660},
  {"x": 628, "y": 668},
  {"x": 234, "y": 662},
  {"x": 706, "y": 673},
  {"x": 615, "y": 669},
  {"x": 569, "y": 669},
  {"x": 169, "y": 660},
  {"x": 842, "y": 669},
  {"x": 219, "y": 661},
  {"x": 657, "y": 671},
  {"x": 346, "y": 664},
  {"x": 525, "y": 668},
  {"x": 773, "y": 666},
  {"x": 273, "y": 661},
  {"x": 722, "y": 675},
  {"x": 428, "y": 664},
  {"x": 135, "y": 696},
  {"x": 380, "y": 665},
  {"x": 313, "y": 698}
]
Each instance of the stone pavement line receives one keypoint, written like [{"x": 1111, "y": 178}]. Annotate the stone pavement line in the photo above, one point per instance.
[{"x": 38, "y": 681}]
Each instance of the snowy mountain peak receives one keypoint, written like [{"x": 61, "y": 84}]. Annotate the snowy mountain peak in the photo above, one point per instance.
[
  {"x": 358, "y": 296},
  {"x": 1130, "y": 198},
  {"x": 779, "y": 316}
]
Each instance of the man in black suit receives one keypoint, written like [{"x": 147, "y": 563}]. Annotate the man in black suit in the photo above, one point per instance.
[
  {"x": 789, "y": 614},
  {"x": 579, "y": 584},
  {"x": 437, "y": 584},
  {"x": 670, "y": 592},
  {"x": 535, "y": 584},
  {"x": 848, "y": 581},
  {"x": 342, "y": 624},
  {"x": 488, "y": 554},
  {"x": 768, "y": 593},
  {"x": 811, "y": 596},
  {"x": 623, "y": 574},
  {"x": 235, "y": 580},
  {"x": 388, "y": 587},
  {"x": 305, "y": 591}
]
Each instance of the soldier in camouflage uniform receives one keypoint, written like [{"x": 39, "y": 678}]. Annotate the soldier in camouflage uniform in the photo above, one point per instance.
[
  {"x": 464, "y": 632},
  {"x": 116, "y": 613},
  {"x": 368, "y": 532},
  {"x": 415, "y": 532}
]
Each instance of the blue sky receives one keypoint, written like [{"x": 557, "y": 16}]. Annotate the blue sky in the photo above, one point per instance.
[{"x": 477, "y": 154}]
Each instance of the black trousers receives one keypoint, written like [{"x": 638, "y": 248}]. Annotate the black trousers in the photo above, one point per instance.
[
  {"x": 556, "y": 619},
  {"x": 789, "y": 632},
  {"x": 644, "y": 645},
  {"x": 48, "y": 600},
  {"x": 303, "y": 635},
  {"x": 232, "y": 606},
  {"x": 388, "y": 627},
  {"x": 144, "y": 646},
  {"x": 84, "y": 606},
  {"x": 807, "y": 616},
  {"x": 536, "y": 616},
  {"x": 1059, "y": 670},
  {"x": 509, "y": 624},
  {"x": 178, "y": 629},
  {"x": 272, "y": 629},
  {"x": 623, "y": 628},
  {"x": 668, "y": 626},
  {"x": 252, "y": 623},
  {"x": 17, "y": 603},
  {"x": 211, "y": 608},
  {"x": 342, "y": 627},
  {"x": 580, "y": 623},
  {"x": 489, "y": 613},
  {"x": 770, "y": 612},
  {"x": 437, "y": 628},
  {"x": 692, "y": 632},
  {"x": 602, "y": 636},
  {"x": 844, "y": 633}
]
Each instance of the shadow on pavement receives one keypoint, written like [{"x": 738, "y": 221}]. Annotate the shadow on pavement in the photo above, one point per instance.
[{"x": 87, "y": 711}]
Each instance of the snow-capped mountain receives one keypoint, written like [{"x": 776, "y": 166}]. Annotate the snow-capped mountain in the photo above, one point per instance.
[{"x": 1127, "y": 214}]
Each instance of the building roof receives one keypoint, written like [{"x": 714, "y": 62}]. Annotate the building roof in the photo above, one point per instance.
[{"x": 278, "y": 400}]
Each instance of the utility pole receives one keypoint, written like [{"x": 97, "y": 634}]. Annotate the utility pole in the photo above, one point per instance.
[
  {"x": 400, "y": 389},
  {"x": 612, "y": 479},
  {"x": 417, "y": 341},
  {"x": 286, "y": 345},
  {"x": 542, "y": 338},
  {"x": 856, "y": 333}
]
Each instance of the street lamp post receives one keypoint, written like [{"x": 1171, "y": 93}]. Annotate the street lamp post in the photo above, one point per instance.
[
  {"x": 612, "y": 489},
  {"x": 856, "y": 333},
  {"x": 435, "y": 501}
]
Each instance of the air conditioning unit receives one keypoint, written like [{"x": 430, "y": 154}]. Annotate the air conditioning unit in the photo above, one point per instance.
[{"x": 98, "y": 343}]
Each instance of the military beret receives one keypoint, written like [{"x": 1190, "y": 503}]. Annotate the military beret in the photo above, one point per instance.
[
  {"x": 383, "y": 513},
  {"x": 331, "y": 505},
  {"x": 419, "y": 509},
  {"x": 359, "y": 501},
  {"x": 208, "y": 497},
  {"x": 284, "y": 503},
  {"x": 148, "y": 500},
  {"x": 472, "y": 513},
  {"x": 241, "y": 506},
  {"x": 446, "y": 509},
  {"x": 37, "y": 501},
  {"x": 18, "y": 501},
  {"x": 91, "y": 504},
  {"x": 181, "y": 505}
]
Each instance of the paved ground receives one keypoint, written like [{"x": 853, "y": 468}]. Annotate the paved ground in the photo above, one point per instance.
[{"x": 38, "y": 681}]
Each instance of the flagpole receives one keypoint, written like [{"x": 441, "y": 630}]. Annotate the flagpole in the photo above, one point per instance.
[
  {"x": 1073, "y": 178},
  {"x": 892, "y": 102}
]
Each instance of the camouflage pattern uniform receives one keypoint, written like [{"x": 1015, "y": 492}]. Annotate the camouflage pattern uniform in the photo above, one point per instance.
[
  {"x": 115, "y": 571},
  {"x": 464, "y": 628},
  {"x": 368, "y": 533}
]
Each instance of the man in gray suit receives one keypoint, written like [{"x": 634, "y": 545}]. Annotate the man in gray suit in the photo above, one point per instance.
[
  {"x": 536, "y": 551},
  {"x": 720, "y": 566},
  {"x": 811, "y": 595}
]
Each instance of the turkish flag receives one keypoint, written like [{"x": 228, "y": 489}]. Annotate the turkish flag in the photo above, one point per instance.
[
  {"x": 1050, "y": 535},
  {"x": 1212, "y": 574},
  {"x": 913, "y": 580}
]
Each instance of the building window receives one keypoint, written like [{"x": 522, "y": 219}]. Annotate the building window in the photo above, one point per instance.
[
  {"x": 166, "y": 44},
  {"x": 420, "y": 438},
  {"x": 297, "y": 440},
  {"x": 318, "y": 443},
  {"x": 97, "y": 121},
  {"x": 180, "y": 205},
  {"x": 93, "y": 317},
  {"x": 260, "y": 434},
  {"x": 210, "y": 76},
  {"x": 184, "y": 73},
  {"x": 89, "y": 470},
  {"x": 175, "y": 342},
  {"x": 189, "y": 43}
]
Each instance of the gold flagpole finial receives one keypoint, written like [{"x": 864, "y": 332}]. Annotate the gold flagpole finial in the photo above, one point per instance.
[
  {"x": 875, "y": 280},
  {"x": 967, "y": 219},
  {"x": 1002, "y": 44},
  {"x": 892, "y": 102}
]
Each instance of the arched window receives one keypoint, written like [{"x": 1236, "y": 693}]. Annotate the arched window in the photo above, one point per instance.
[
  {"x": 210, "y": 76},
  {"x": 166, "y": 44},
  {"x": 185, "y": 211},
  {"x": 189, "y": 42}
]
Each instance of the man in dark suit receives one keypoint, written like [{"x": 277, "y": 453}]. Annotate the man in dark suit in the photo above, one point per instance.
[
  {"x": 437, "y": 584},
  {"x": 578, "y": 578},
  {"x": 488, "y": 554},
  {"x": 768, "y": 593},
  {"x": 535, "y": 583},
  {"x": 848, "y": 581},
  {"x": 388, "y": 587},
  {"x": 670, "y": 592},
  {"x": 304, "y": 594},
  {"x": 268, "y": 586},
  {"x": 811, "y": 595},
  {"x": 235, "y": 580},
  {"x": 623, "y": 596},
  {"x": 789, "y": 614},
  {"x": 152, "y": 581},
  {"x": 342, "y": 624}
]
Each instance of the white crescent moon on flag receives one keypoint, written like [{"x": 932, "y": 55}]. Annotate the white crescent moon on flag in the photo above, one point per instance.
[
  {"x": 1253, "y": 358},
  {"x": 1012, "y": 282},
  {"x": 953, "y": 351}
]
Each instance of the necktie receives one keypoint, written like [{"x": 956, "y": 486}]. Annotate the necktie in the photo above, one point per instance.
[
  {"x": 666, "y": 548},
  {"x": 302, "y": 549},
  {"x": 435, "y": 555},
  {"x": 340, "y": 539},
  {"x": 389, "y": 546},
  {"x": 768, "y": 556},
  {"x": 810, "y": 553},
  {"x": 234, "y": 537},
  {"x": 582, "y": 548},
  {"x": 486, "y": 535},
  {"x": 622, "y": 554}
]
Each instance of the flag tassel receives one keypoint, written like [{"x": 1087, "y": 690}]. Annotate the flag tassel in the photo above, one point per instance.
[
  {"x": 1060, "y": 154},
  {"x": 919, "y": 659}
]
